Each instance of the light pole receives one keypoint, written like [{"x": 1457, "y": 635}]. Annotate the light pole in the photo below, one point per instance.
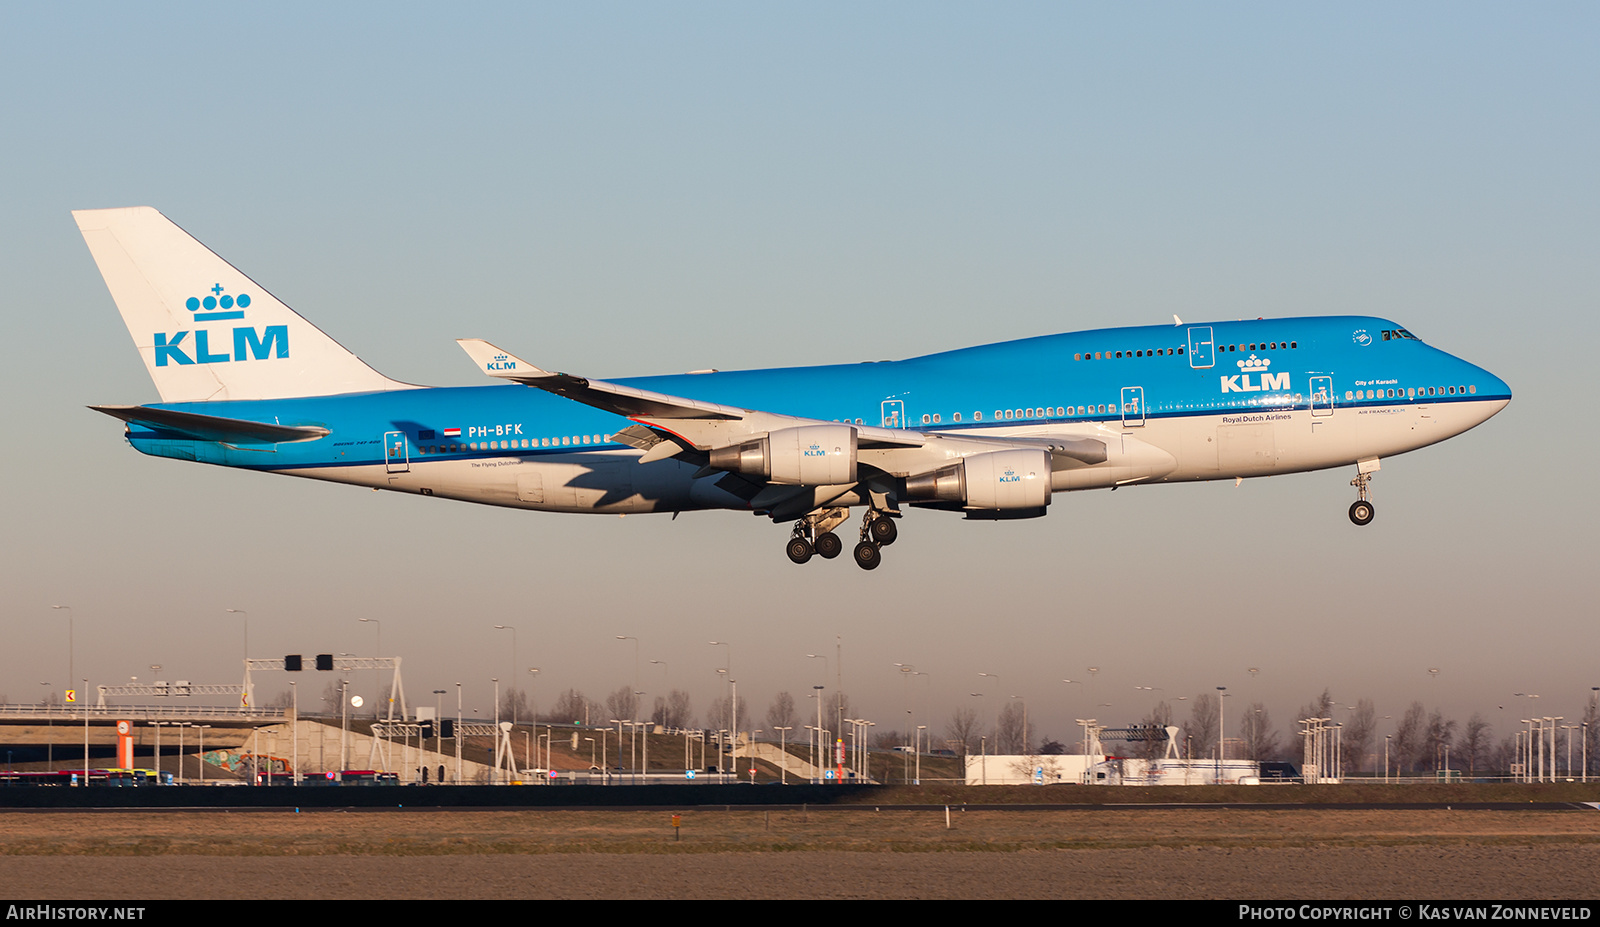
[
  {"x": 533, "y": 699},
  {"x": 377, "y": 675},
  {"x": 783, "y": 753},
  {"x": 820, "y": 745},
  {"x": 511, "y": 680},
  {"x": 496, "y": 681},
  {"x": 294, "y": 747},
  {"x": 50, "y": 741},
  {"x": 1222, "y": 731},
  {"x": 997, "y": 746}
]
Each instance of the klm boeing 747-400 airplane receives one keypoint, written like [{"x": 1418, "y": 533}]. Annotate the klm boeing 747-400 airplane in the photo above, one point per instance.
[{"x": 992, "y": 432}]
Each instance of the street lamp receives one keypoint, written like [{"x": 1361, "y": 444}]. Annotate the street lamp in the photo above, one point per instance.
[{"x": 511, "y": 679}]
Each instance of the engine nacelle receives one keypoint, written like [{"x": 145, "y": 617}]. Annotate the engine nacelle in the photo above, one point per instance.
[
  {"x": 810, "y": 455},
  {"x": 999, "y": 481}
]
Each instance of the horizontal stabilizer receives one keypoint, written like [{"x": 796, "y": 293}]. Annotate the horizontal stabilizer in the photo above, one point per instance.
[{"x": 212, "y": 427}]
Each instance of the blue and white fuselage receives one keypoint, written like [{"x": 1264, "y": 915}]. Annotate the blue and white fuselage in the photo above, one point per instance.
[{"x": 992, "y": 431}]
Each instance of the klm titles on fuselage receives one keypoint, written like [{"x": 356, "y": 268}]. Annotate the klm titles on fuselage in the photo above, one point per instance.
[
  {"x": 272, "y": 341},
  {"x": 1254, "y": 366}
]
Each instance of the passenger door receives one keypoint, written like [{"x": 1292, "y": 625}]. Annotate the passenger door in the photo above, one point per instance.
[{"x": 396, "y": 451}]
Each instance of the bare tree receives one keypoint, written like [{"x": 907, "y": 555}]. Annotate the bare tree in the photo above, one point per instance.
[
  {"x": 1410, "y": 738},
  {"x": 964, "y": 731},
  {"x": 1359, "y": 732},
  {"x": 1438, "y": 736},
  {"x": 1503, "y": 757},
  {"x": 514, "y": 706},
  {"x": 1201, "y": 730},
  {"x": 1319, "y": 707},
  {"x": 622, "y": 704},
  {"x": 1160, "y": 717},
  {"x": 781, "y": 712},
  {"x": 717, "y": 715},
  {"x": 332, "y": 696},
  {"x": 1255, "y": 730},
  {"x": 672, "y": 710},
  {"x": 1009, "y": 734},
  {"x": 568, "y": 708},
  {"x": 1476, "y": 743}
]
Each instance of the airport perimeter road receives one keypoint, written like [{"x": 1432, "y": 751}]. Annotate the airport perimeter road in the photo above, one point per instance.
[{"x": 752, "y": 853}]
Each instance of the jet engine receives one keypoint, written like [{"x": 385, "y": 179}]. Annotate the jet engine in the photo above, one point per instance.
[
  {"x": 999, "y": 481},
  {"x": 809, "y": 455}
]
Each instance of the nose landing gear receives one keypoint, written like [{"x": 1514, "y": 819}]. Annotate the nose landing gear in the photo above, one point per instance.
[{"x": 1362, "y": 511}]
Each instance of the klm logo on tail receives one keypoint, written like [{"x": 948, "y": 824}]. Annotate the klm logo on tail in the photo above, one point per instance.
[
  {"x": 1240, "y": 382},
  {"x": 272, "y": 341}
]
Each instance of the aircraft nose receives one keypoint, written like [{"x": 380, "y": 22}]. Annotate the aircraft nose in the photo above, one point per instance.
[{"x": 1490, "y": 386}]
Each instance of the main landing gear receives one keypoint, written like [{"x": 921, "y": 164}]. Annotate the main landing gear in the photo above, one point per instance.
[
  {"x": 813, "y": 534},
  {"x": 1361, "y": 511},
  {"x": 878, "y": 531}
]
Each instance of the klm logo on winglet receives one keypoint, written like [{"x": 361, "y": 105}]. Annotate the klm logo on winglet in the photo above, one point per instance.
[
  {"x": 273, "y": 340},
  {"x": 1254, "y": 366},
  {"x": 501, "y": 362}
]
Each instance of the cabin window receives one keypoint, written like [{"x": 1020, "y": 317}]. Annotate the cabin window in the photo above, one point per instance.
[
  {"x": 956, "y": 417},
  {"x": 977, "y": 416}
]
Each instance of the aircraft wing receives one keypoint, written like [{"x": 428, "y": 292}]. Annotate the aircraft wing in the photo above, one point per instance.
[
  {"x": 699, "y": 424},
  {"x": 669, "y": 425}
]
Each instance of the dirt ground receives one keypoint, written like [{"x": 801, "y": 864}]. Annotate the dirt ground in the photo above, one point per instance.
[{"x": 834, "y": 853}]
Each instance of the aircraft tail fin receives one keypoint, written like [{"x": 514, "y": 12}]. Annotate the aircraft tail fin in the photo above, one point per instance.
[{"x": 205, "y": 330}]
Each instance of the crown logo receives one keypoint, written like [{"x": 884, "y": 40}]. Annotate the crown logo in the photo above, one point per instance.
[
  {"x": 216, "y": 300},
  {"x": 1254, "y": 363}
]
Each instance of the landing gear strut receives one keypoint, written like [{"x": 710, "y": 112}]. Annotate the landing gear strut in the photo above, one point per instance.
[
  {"x": 878, "y": 531},
  {"x": 813, "y": 534},
  {"x": 1361, "y": 511}
]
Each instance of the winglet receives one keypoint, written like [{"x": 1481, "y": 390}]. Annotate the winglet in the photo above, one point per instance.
[{"x": 499, "y": 363}]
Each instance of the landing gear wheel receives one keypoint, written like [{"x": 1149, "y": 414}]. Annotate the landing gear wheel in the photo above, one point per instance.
[
  {"x": 883, "y": 530},
  {"x": 829, "y": 546},
  {"x": 868, "y": 556},
  {"x": 799, "y": 550},
  {"x": 1361, "y": 512}
]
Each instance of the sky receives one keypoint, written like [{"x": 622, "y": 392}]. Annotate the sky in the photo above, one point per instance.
[{"x": 622, "y": 189}]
